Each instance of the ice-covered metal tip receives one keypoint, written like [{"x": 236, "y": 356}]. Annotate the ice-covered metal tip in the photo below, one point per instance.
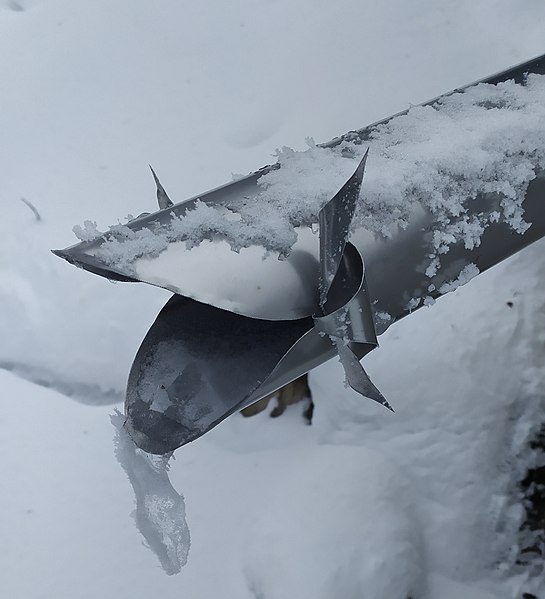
[{"x": 162, "y": 197}]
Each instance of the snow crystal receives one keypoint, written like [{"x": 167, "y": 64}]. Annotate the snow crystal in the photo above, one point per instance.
[
  {"x": 413, "y": 303},
  {"x": 428, "y": 301},
  {"x": 384, "y": 316},
  {"x": 468, "y": 272},
  {"x": 89, "y": 231}
]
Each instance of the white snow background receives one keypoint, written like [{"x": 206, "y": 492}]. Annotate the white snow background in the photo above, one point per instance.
[{"x": 363, "y": 504}]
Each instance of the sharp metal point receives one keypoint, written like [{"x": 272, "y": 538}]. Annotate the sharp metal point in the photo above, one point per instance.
[{"x": 162, "y": 197}]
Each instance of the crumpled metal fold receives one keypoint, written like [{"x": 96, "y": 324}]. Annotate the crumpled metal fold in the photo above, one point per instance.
[
  {"x": 200, "y": 363},
  {"x": 351, "y": 322}
]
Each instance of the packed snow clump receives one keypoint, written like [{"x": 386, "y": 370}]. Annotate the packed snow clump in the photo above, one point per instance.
[{"x": 486, "y": 141}]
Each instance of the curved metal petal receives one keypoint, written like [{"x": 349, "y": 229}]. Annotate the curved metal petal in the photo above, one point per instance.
[
  {"x": 196, "y": 366},
  {"x": 347, "y": 313}
]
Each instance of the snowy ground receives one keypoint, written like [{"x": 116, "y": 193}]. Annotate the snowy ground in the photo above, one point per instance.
[{"x": 361, "y": 504}]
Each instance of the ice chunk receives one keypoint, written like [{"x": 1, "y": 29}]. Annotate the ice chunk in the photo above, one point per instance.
[{"x": 160, "y": 509}]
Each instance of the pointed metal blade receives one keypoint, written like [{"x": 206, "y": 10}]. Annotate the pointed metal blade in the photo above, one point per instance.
[
  {"x": 162, "y": 197},
  {"x": 356, "y": 376}
]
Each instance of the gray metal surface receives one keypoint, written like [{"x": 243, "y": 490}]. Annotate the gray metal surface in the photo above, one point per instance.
[{"x": 242, "y": 325}]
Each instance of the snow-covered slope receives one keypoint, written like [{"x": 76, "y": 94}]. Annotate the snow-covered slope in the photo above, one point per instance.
[{"x": 361, "y": 504}]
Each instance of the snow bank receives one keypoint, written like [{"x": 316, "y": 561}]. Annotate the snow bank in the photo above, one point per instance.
[
  {"x": 50, "y": 314},
  {"x": 340, "y": 506}
]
